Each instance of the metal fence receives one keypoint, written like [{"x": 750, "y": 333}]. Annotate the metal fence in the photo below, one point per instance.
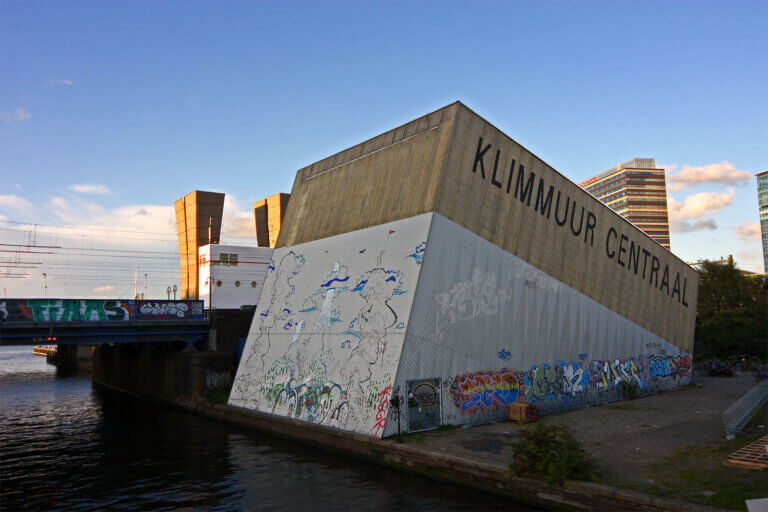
[
  {"x": 738, "y": 415},
  {"x": 570, "y": 402},
  {"x": 612, "y": 394}
]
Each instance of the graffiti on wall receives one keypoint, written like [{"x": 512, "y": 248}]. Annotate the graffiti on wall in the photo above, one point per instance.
[
  {"x": 482, "y": 391},
  {"x": 479, "y": 391},
  {"x": 96, "y": 310},
  {"x": 329, "y": 328}
]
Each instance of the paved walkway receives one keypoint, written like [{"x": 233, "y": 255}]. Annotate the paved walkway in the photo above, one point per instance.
[{"x": 624, "y": 437}]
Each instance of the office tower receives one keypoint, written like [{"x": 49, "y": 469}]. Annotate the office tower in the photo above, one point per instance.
[
  {"x": 637, "y": 191},
  {"x": 762, "y": 200}
]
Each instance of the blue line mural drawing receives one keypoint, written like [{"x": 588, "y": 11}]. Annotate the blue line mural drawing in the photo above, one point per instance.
[{"x": 331, "y": 323}]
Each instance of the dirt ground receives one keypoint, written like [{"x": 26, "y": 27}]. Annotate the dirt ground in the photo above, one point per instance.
[{"x": 623, "y": 437}]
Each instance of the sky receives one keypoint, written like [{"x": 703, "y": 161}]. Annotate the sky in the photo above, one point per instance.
[{"x": 110, "y": 111}]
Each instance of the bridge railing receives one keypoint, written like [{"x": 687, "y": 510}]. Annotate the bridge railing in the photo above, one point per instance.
[{"x": 49, "y": 311}]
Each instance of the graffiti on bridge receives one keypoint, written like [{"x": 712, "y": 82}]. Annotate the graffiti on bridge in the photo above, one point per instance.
[
  {"x": 169, "y": 309},
  {"x": 97, "y": 310}
]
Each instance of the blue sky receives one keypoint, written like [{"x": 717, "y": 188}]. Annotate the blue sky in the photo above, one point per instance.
[{"x": 145, "y": 101}]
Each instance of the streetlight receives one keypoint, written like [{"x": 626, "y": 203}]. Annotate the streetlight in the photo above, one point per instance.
[
  {"x": 45, "y": 284},
  {"x": 174, "y": 292},
  {"x": 168, "y": 292}
]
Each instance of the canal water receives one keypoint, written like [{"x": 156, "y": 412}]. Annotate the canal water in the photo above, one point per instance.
[{"x": 68, "y": 445}]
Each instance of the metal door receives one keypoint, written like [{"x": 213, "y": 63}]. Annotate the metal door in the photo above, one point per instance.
[{"x": 423, "y": 404}]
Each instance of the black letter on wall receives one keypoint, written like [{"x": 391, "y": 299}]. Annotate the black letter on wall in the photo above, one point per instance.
[
  {"x": 495, "y": 168},
  {"x": 479, "y": 157},
  {"x": 590, "y": 229},
  {"x": 527, "y": 192},
  {"x": 546, "y": 203},
  {"x": 608, "y": 251}
]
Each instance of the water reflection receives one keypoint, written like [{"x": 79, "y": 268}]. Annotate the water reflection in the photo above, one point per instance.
[{"x": 67, "y": 445}]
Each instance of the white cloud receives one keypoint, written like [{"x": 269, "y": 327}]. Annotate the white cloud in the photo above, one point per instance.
[
  {"x": 237, "y": 221},
  {"x": 723, "y": 173},
  {"x": 692, "y": 213},
  {"x": 20, "y": 114},
  {"x": 749, "y": 231},
  {"x": 750, "y": 260},
  {"x": 90, "y": 188},
  {"x": 85, "y": 215},
  {"x": 105, "y": 288},
  {"x": 15, "y": 205},
  {"x": 62, "y": 81}
]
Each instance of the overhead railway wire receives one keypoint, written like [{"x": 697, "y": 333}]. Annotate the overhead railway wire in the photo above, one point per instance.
[{"x": 121, "y": 231}]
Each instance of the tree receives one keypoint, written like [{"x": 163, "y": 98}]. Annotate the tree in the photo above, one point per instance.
[{"x": 732, "y": 313}]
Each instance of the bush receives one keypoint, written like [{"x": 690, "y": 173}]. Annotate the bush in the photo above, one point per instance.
[
  {"x": 551, "y": 454},
  {"x": 220, "y": 395}
]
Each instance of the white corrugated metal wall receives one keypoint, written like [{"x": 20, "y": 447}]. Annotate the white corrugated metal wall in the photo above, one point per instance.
[{"x": 494, "y": 330}]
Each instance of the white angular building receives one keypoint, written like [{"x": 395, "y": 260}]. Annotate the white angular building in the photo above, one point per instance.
[
  {"x": 231, "y": 276},
  {"x": 443, "y": 262}
]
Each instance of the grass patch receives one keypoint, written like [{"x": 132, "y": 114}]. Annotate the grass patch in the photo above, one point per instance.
[
  {"x": 415, "y": 438},
  {"x": 446, "y": 427},
  {"x": 697, "y": 475}
]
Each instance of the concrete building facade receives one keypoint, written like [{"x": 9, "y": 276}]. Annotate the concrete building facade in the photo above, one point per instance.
[
  {"x": 231, "y": 276},
  {"x": 268, "y": 216},
  {"x": 637, "y": 191},
  {"x": 762, "y": 201},
  {"x": 198, "y": 223},
  {"x": 443, "y": 262}
]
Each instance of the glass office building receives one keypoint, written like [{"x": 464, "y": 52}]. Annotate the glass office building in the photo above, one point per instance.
[
  {"x": 637, "y": 191},
  {"x": 762, "y": 200}
]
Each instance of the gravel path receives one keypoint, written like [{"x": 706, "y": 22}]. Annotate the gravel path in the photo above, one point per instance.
[{"x": 624, "y": 437}]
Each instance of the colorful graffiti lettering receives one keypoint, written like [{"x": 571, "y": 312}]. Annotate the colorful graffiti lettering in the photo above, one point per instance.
[
  {"x": 683, "y": 365},
  {"x": 87, "y": 310},
  {"x": 168, "y": 309},
  {"x": 312, "y": 400},
  {"x": 381, "y": 411},
  {"x": 480, "y": 391},
  {"x": 610, "y": 374},
  {"x": 669, "y": 366}
]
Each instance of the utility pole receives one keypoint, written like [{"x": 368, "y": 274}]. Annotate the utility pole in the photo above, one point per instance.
[
  {"x": 136, "y": 284},
  {"x": 210, "y": 278},
  {"x": 168, "y": 292},
  {"x": 174, "y": 292},
  {"x": 45, "y": 285},
  {"x": 144, "y": 293},
  {"x": 210, "y": 265}
]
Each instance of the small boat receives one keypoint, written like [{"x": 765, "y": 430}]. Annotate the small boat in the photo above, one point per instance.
[{"x": 44, "y": 351}]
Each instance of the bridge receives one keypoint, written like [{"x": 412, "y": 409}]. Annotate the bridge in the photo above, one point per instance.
[{"x": 96, "y": 321}]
